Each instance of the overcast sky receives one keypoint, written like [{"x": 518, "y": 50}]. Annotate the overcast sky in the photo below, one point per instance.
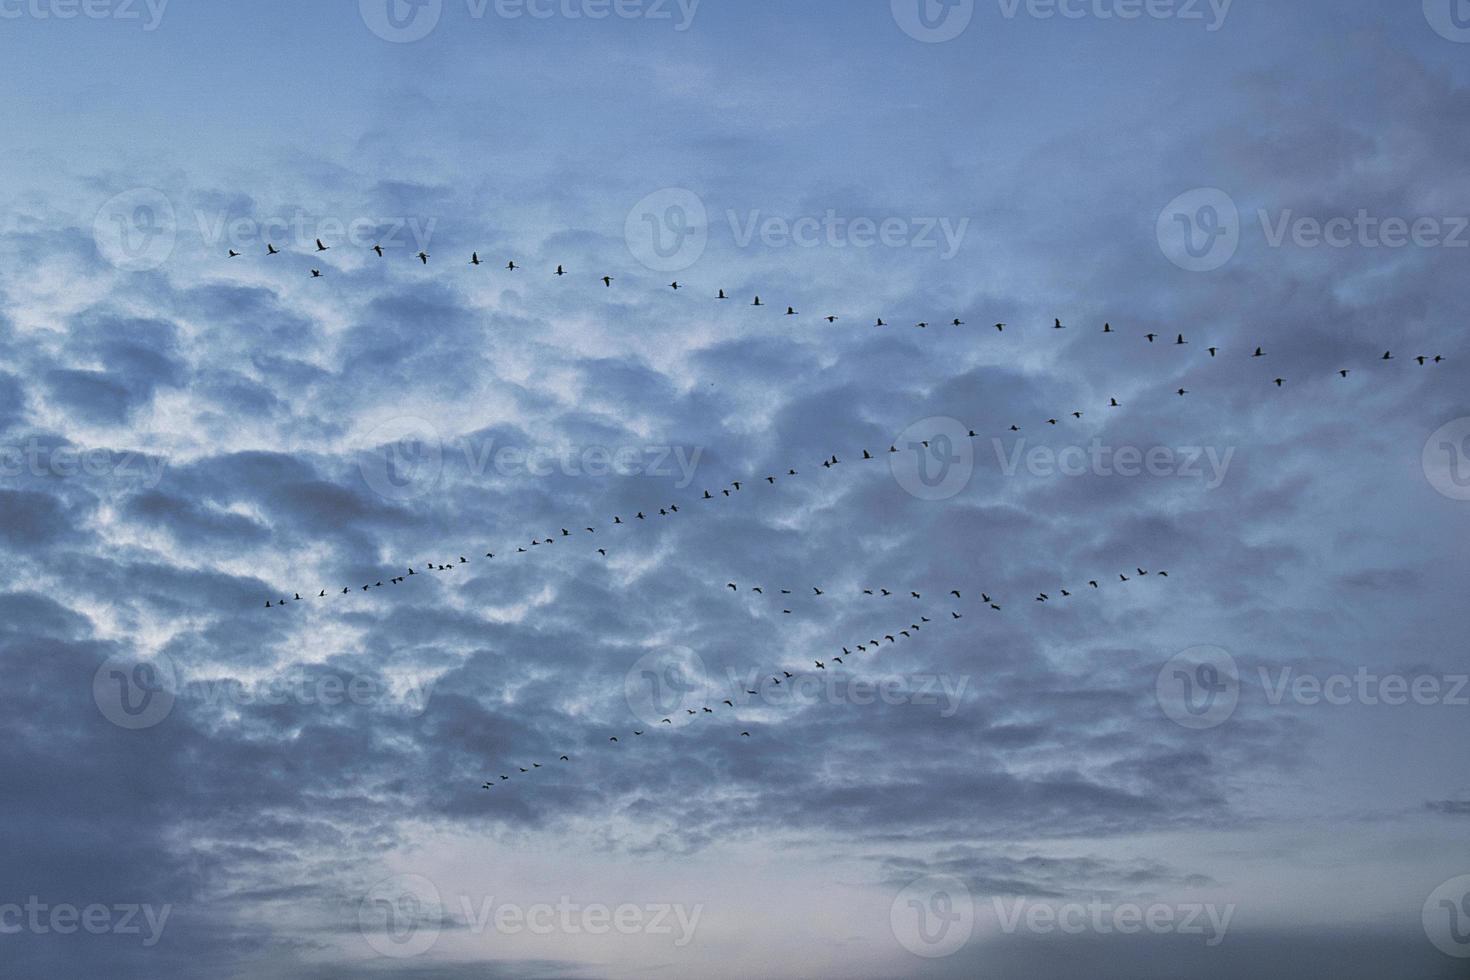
[{"x": 1254, "y": 766}]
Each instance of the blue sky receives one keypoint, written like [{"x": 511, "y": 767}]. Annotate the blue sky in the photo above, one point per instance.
[{"x": 185, "y": 435}]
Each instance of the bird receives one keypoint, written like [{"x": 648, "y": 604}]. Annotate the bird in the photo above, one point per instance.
[
  {"x": 1259, "y": 353},
  {"x": 424, "y": 257},
  {"x": 1181, "y": 341},
  {"x": 560, "y": 271},
  {"x": 1107, "y": 328},
  {"x": 1000, "y": 327},
  {"x": 320, "y": 247},
  {"x": 1343, "y": 372},
  {"x": 1183, "y": 392},
  {"x": 379, "y": 250},
  {"x": 271, "y": 249},
  {"x": 607, "y": 281},
  {"x": 1280, "y": 382},
  {"x": 234, "y": 254},
  {"x": 820, "y": 665},
  {"x": 722, "y": 295},
  {"x": 316, "y": 273},
  {"x": 1213, "y": 350},
  {"x": 757, "y": 302},
  {"x": 474, "y": 258},
  {"x": 565, "y": 759},
  {"x": 1057, "y": 325},
  {"x": 791, "y": 311},
  {"x": 957, "y": 322},
  {"x": 1388, "y": 355},
  {"x": 1151, "y": 337},
  {"x": 1114, "y": 404},
  {"x": 745, "y": 734},
  {"x": 880, "y": 323},
  {"x": 955, "y": 593}
]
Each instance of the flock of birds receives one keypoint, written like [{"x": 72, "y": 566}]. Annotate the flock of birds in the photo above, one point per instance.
[
  {"x": 662, "y": 512},
  {"x": 828, "y": 462},
  {"x": 721, "y": 295},
  {"x": 790, "y": 675}
]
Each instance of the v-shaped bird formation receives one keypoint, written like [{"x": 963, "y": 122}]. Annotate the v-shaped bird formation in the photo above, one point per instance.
[
  {"x": 791, "y": 675},
  {"x": 600, "y": 537}
]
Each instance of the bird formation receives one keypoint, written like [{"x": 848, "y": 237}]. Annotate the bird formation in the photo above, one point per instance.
[
  {"x": 661, "y": 512},
  {"x": 790, "y": 674},
  {"x": 791, "y": 311}
]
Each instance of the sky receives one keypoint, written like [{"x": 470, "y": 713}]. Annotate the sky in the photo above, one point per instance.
[{"x": 1251, "y": 766}]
